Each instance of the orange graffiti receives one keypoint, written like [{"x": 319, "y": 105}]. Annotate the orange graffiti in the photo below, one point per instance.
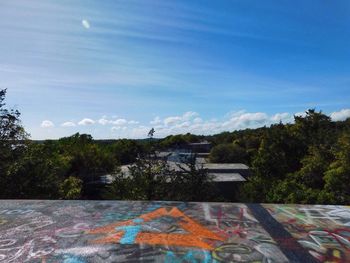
[{"x": 195, "y": 236}]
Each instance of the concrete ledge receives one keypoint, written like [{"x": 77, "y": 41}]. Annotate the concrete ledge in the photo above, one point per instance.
[{"x": 129, "y": 231}]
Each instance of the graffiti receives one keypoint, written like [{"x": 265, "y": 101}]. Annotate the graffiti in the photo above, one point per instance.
[
  {"x": 74, "y": 211},
  {"x": 75, "y": 231},
  {"x": 190, "y": 256},
  {"x": 312, "y": 215},
  {"x": 129, "y": 232},
  {"x": 231, "y": 252},
  {"x": 323, "y": 230},
  {"x": 16, "y": 211},
  {"x": 78, "y": 251},
  {"x": 112, "y": 231},
  {"x": 30, "y": 250},
  {"x": 35, "y": 224},
  {"x": 73, "y": 259}
]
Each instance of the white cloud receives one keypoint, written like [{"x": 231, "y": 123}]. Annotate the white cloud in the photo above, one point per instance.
[
  {"x": 103, "y": 121},
  {"x": 185, "y": 124},
  {"x": 119, "y": 122},
  {"x": 197, "y": 120},
  {"x": 47, "y": 124},
  {"x": 246, "y": 120},
  {"x": 340, "y": 115},
  {"x": 300, "y": 114},
  {"x": 156, "y": 121},
  {"x": 86, "y": 121},
  {"x": 85, "y": 23},
  {"x": 258, "y": 117},
  {"x": 68, "y": 124},
  {"x": 142, "y": 131},
  {"x": 283, "y": 117},
  {"x": 192, "y": 122},
  {"x": 115, "y": 128},
  {"x": 172, "y": 120},
  {"x": 189, "y": 115}
]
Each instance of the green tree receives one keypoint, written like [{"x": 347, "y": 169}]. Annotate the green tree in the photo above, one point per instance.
[
  {"x": 126, "y": 151},
  {"x": 37, "y": 174},
  {"x": 146, "y": 179},
  {"x": 337, "y": 177},
  {"x": 192, "y": 182},
  {"x": 315, "y": 128},
  {"x": 179, "y": 140},
  {"x": 228, "y": 153},
  {"x": 277, "y": 156},
  {"x": 13, "y": 139},
  {"x": 304, "y": 185},
  {"x": 151, "y": 133},
  {"x": 315, "y": 163},
  {"x": 88, "y": 160},
  {"x": 71, "y": 188}
]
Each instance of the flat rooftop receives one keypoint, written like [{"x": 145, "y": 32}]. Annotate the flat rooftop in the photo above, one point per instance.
[
  {"x": 220, "y": 172},
  {"x": 240, "y": 166},
  {"x": 227, "y": 177},
  {"x": 133, "y": 231}
]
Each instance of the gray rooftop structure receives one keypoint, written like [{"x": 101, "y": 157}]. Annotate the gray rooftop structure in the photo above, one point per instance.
[
  {"x": 229, "y": 177},
  {"x": 230, "y": 172}
]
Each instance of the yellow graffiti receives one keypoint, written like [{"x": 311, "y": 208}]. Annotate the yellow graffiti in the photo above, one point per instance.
[{"x": 2, "y": 221}]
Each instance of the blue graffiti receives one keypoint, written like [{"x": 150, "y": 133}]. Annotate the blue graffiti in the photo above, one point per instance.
[
  {"x": 130, "y": 232},
  {"x": 73, "y": 259},
  {"x": 153, "y": 207},
  {"x": 192, "y": 256}
]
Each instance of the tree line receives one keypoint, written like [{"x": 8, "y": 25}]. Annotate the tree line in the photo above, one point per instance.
[{"x": 307, "y": 161}]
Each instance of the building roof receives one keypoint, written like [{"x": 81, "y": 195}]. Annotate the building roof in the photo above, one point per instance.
[
  {"x": 132, "y": 231},
  {"x": 213, "y": 166},
  {"x": 227, "y": 177},
  {"x": 199, "y": 143},
  {"x": 226, "y": 166},
  {"x": 221, "y": 172}
]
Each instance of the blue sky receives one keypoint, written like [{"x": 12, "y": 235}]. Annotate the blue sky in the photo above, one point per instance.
[{"x": 117, "y": 68}]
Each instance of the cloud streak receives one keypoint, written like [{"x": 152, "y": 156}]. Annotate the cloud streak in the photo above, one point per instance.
[
  {"x": 68, "y": 124},
  {"x": 340, "y": 115},
  {"x": 192, "y": 122},
  {"x": 85, "y": 23},
  {"x": 86, "y": 121},
  {"x": 47, "y": 124}
]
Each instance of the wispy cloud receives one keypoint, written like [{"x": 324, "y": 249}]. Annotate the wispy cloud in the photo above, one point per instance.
[
  {"x": 47, "y": 124},
  {"x": 86, "y": 121},
  {"x": 68, "y": 124},
  {"x": 340, "y": 115},
  {"x": 192, "y": 122},
  {"x": 85, "y": 23},
  {"x": 116, "y": 121},
  {"x": 169, "y": 56},
  {"x": 117, "y": 128},
  {"x": 103, "y": 121},
  {"x": 156, "y": 121},
  {"x": 119, "y": 122}
]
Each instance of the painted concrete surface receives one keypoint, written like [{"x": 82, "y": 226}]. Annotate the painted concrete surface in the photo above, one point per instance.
[
  {"x": 131, "y": 231},
  {"x": 324, "y": 231}
]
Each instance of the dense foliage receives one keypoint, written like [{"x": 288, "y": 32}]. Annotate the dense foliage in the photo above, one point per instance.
[{"x": 304, "y": 162}]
